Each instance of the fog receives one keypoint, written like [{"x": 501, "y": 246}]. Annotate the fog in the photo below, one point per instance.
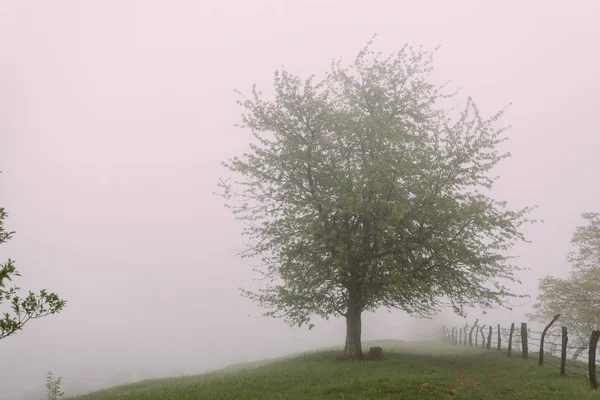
[{"x": 115, "y": 116}]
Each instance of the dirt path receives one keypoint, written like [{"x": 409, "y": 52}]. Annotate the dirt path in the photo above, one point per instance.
[{"x": 463, "y": 380}]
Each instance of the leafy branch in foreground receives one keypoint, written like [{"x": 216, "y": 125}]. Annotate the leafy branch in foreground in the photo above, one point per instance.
[{"x": 21, "y": 309}]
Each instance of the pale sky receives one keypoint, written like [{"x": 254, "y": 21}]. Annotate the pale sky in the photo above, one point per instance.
[{"x": 116, "y": 114}]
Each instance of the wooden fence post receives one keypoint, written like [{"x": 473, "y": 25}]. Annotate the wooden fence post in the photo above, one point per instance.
[
  {"x": 469, "y": 342},
  {"x": 563, "y": 351},
  {"x": 456, "y": 341},
  {"x": 512, "y": 329},
  {"x": 482, "y": 337},
  {"x": 454, "y": 335},
  {"x": 499, "y": 340},
  {"x": 471, "y": 333},
  {"x": 541, "y": 359},
  {"x": 524, "y": 344},
  {"x": 592, "y": 359},
  {"x": 489, "y": 339}
]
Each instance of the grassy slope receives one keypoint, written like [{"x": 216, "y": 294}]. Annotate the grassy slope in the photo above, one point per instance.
[{"x": 429, "y": 371}]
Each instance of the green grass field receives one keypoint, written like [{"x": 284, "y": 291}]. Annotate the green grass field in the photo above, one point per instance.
[{"x": 411, "y": 370}]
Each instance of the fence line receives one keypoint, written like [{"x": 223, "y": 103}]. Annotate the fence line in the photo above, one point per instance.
[{"x": 542, "y": 346}]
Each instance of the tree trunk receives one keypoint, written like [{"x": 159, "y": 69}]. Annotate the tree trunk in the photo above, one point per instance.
[
  {"x": 577, "y": 353},
  {"x": 353, "y": 348}
]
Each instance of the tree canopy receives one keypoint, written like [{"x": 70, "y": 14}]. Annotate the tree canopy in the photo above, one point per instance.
[
  {"x": 577, "y": 297},
  {"x": 21, "y": 310},
  {"x": 360, "y": 191}
]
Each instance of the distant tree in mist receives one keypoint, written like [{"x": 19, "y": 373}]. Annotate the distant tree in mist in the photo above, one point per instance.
[
  {"x": 16, "y": 311},
  {"x": 360, "y": 192},
  {"x": 577, "y": 297}
]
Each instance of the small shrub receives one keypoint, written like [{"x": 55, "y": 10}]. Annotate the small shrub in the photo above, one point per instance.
[{"x": 53, "y": 387}]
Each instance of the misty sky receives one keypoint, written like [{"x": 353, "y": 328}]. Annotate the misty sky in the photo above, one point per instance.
[{"x": 116, "y": 114}]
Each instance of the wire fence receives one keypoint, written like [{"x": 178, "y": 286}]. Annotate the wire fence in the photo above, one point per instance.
[{"x": 546, "y": 347}]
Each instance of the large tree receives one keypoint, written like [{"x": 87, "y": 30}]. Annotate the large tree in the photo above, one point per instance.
[
  {"x": 360, "y": 191},
  {"x": 20, "y": 310},
  {"x": 577, "y": 297}
]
